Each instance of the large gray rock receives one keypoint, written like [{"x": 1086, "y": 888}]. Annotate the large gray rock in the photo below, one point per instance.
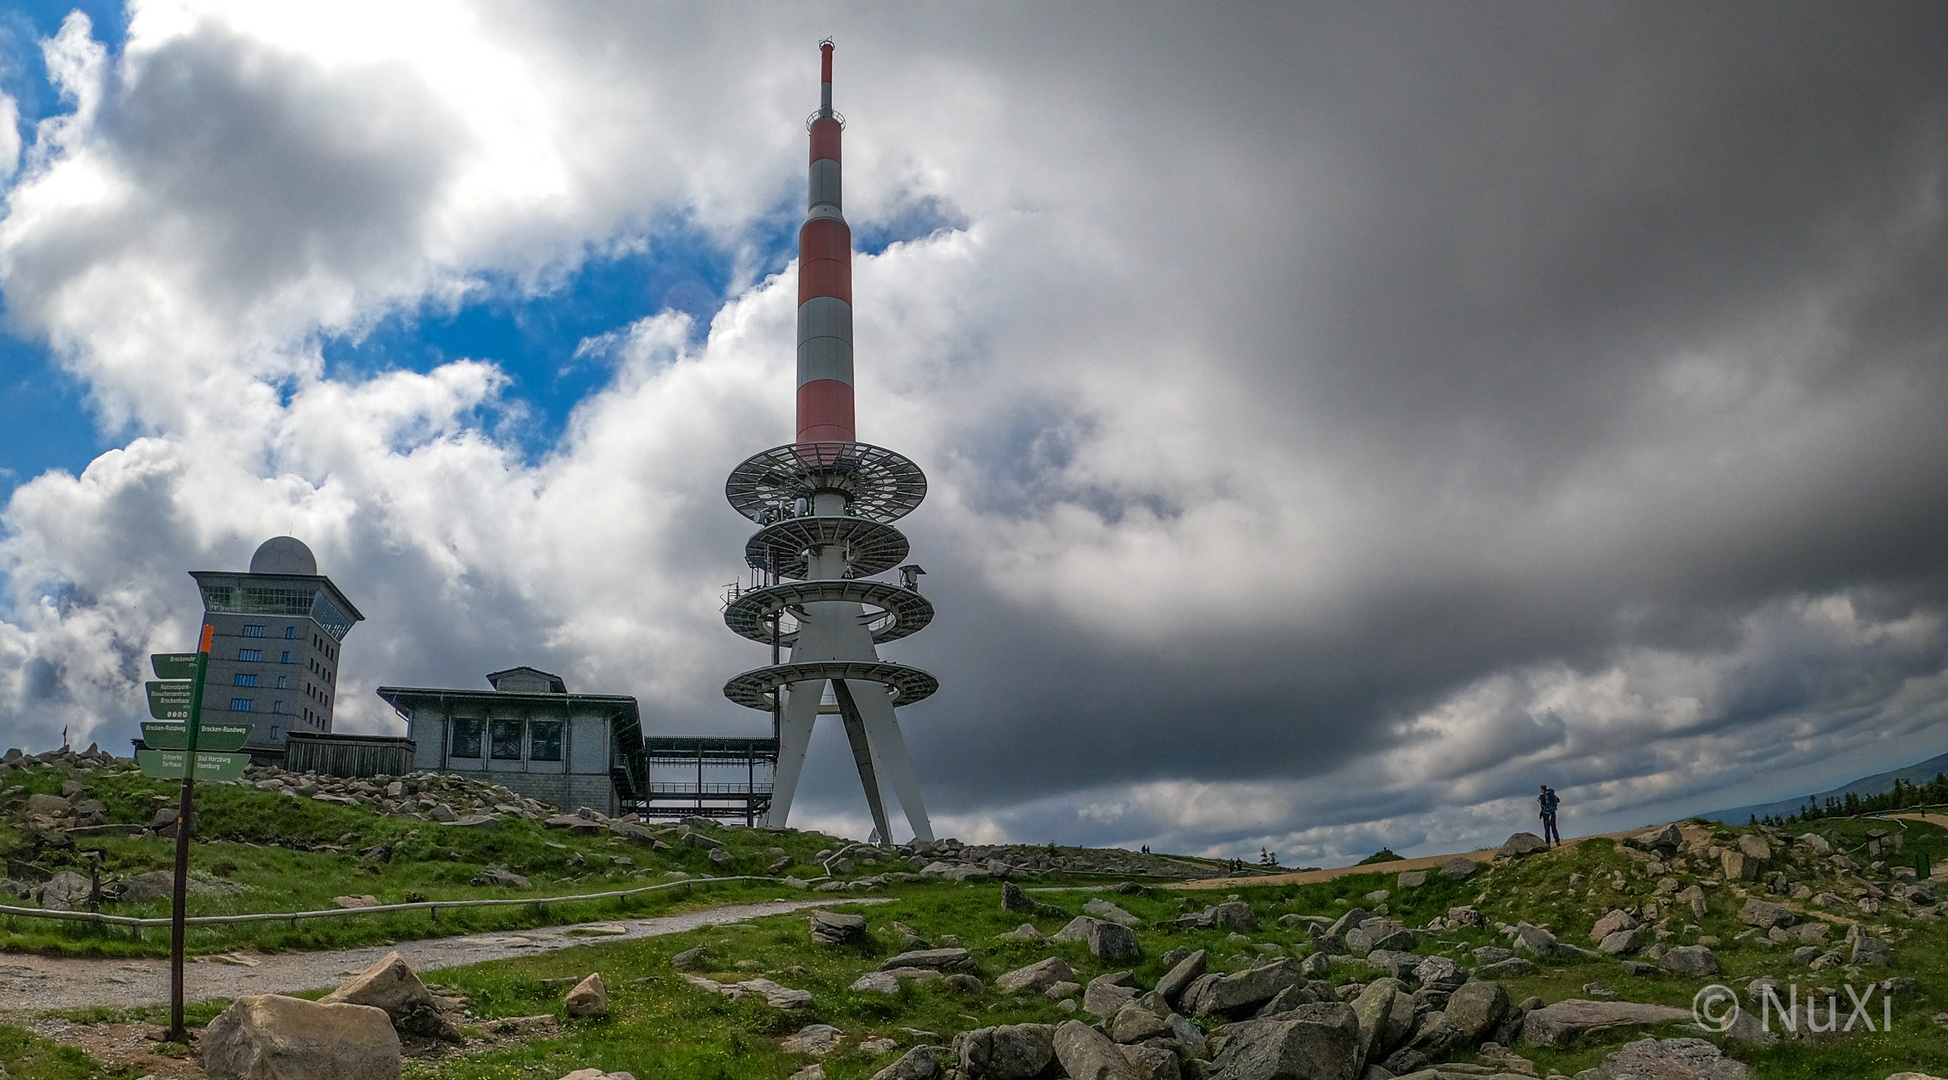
[
  {"x": 1764, "y": 915},
  {"x": 1693, "y": 896},
  {"x": 391, "y": 984},
  {"x": 1103, "y": 909},
  {"x": 774, "y": 995},
  {"x": 1622, "y": 943},
  {"x": 1535, "y": 941},
  {"x": 1692, "y": 961},
  {"x": 272, "y": 1037},
  {"x": 1439, "y": 973},
  {"x": 1512, "y": 968},
  {"x": 1106, "y": 995},
  {"x": 1668, "y": 1059},
  {"x": 1430, "y": 1042},
  {"x": 1384, "y": 1013},
  {"x": 1564, "y": 1021},
  {"x": 1353, "y": 917},
  {"x": 1312, "y": 1042},
  {"x": 1178, "y": 979},
  {"x": 1007, "y": 1052},
  {"x": 1522, "y": 843},
  {"x": 1136, "y": 1022},
  {"x": 836, "y": 927},
  {"x": 1109, "y": 942},
  {"x": 54, "y": 806},
  {"x": 1460, "y": 868},
  {"x": 1234, "y": 915},
  {"x": 1476, "y": 1008},
  {"x": 1868, "y": 950},
  {"x": 879, "y": 982},
  {"x": 1374, "y": 934},
  {"x": 500, "y": 875},
  {"x": 1087, "y": 1054},
  {"x": 1617, "y": 919},
  {"x": 817, "y": 1040},
  {"x": 65, "y": 890},
  {"x": 1037, "y": 977},
  {"x": 1225, "y": 995},
  {"x": 1152, "y": 1062},
  {"x": 588, "y": 998},
  {"x": 933, "y": 959},
  {"x": 1666, "y": 838},
  {"x": 919, "y": 1063}
]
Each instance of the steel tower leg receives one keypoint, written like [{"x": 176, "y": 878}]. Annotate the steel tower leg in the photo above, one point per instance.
[
  {"x": 864, "y": 756},
  {"x": 888, "y": 745},
  {"x": 794, "y": 735}
]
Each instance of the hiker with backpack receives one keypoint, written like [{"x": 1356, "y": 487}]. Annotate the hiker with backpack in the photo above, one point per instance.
[{"x": 1548, "y": 801}]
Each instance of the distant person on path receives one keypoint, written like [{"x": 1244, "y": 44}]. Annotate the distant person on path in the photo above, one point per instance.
[{"x": 1548, "y": 801}]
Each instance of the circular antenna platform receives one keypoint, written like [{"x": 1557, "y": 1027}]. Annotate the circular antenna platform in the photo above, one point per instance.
[
  {"x": 871, "y": 547},
  {"x": 754, "y": 689},
  {"x": 879, "y": 484},
  {"x": 901, "y": 611}
]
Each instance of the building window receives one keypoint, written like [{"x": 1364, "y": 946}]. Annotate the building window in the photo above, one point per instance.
[
  {"x": 283, "y": 682},
  {"x": 287, "y": 657},
  {"x": 277, "y": 707},
  {"x": 507, "y": 740},
  {"x": 290, "y": 632},
  {"x": 275, "y": 732},
  {"x": 250, "y": 654},
  {"x": 466, "y": 738},
  {"x": 246, "y": 680},
  {"x": 544, "y": 740},
  {"x": 243, "y": 704},
  {"x": 253, "y": 631}
]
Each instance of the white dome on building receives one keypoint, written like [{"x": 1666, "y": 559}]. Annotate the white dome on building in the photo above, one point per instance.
[{"x": 284, "y": 555}]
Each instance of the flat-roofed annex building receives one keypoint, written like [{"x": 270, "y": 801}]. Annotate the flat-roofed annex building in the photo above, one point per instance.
[
  {"x": 530, "y": 735},
  {"x": 274, "y": 651}
]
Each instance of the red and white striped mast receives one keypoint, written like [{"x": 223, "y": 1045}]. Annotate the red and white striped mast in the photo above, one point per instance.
[
  {"x": 825, "y": 506},
  {"x": 825, "y": 284}
]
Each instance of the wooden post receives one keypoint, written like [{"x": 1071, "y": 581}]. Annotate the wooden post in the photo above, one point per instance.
[{"x": 185, "y": 814}]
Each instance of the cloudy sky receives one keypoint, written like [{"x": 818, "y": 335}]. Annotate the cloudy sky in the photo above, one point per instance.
[{"x": 1341, "y": 417}]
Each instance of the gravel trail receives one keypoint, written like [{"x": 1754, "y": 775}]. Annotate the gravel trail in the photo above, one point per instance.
[{"x": 37, "y": 984}]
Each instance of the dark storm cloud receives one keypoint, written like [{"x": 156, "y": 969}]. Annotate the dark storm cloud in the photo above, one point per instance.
[{"x": 1512, "y": 225}]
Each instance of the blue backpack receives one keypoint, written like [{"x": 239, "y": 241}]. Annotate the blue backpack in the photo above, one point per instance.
[{"x": 1550, "y": 802}]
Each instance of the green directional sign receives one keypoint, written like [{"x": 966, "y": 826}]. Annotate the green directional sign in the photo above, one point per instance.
[
  {"x": 173, "y": 665},
  {"x": 171, "y": 764},
  {"x": 168, "y": 700},
  {"x": 220, "y": 738}
]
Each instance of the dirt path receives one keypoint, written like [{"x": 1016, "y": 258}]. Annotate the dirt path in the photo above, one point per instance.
[{"x": 40, "y": 984}]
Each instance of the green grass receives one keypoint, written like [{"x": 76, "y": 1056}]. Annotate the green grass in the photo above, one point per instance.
[
  {"x": 662, "y": 1027},
  {"x": 26, "y": 1056},
  {"x": 257, "y": 842}
]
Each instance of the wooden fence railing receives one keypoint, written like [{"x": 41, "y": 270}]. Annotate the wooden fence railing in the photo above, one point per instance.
[{"x": 430, "y": 906}]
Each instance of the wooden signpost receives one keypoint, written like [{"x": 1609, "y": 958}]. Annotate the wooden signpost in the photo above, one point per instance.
[{"x": 173, "y": 754}]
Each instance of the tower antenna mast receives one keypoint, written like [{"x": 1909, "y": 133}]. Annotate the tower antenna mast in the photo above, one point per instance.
[{"x": 825, "y": 504}]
